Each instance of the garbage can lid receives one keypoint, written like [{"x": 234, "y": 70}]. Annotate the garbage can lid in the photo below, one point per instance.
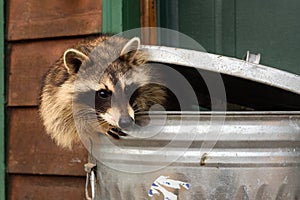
[{"x": 248, "y": 85}]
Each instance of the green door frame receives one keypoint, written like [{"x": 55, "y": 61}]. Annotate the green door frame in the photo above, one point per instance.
[
  {"x": 120, "y": 15},
  {"x": 2, "y": 103}
]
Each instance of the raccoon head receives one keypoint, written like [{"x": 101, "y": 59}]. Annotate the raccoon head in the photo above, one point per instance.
[{"x": 108, "y": 80}]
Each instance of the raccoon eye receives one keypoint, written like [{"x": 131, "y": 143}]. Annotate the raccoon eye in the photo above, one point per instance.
[{"x": 104, "y": 94}]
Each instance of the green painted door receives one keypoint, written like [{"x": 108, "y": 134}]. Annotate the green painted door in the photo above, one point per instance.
[
  {"x": 231, "y": 27},
  {"x": 120, "y": 15}
]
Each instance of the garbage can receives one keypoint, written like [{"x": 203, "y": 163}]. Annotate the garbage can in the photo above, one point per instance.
[{"x": 250, "y": 150}]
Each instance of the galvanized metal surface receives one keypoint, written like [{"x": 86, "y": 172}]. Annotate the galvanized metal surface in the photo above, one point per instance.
[
  {"x": 225, "y": 65},
  {"x": 256, "y": 155},
  {"x": 222, "y": 155}
]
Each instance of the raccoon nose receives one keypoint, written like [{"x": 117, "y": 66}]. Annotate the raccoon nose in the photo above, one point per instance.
[{"x": 126, "y": 122}]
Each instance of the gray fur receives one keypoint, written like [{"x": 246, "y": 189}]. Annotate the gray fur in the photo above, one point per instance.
[{"x": 104, "y": 62}]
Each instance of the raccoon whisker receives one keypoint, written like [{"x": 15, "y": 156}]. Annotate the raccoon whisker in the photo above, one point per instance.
[
  {"x": 135, "y": 106},
  {"x": 136, "y": 109},
  {"x": 88, "y": 123},
  {"x": 87, "y": 115},
  {"x": 102, "y": 123},
  {"x": 85, "y": 110},
  {"x": 140, "y": 111}
]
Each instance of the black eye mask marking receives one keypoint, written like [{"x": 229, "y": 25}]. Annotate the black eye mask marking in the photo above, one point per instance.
[
  {"x": 103, "y": 94},
  {"x": 103, "y": 100}
]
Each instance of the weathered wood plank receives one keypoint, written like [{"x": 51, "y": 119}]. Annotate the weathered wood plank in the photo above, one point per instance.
[
  {"x": 46, "y": 187},
  {"x": 28, "y": 63},
  {"x": 31, "y": 151},
  {"x": 32, "y": 19},
  {"x": 148, "y": 19}
]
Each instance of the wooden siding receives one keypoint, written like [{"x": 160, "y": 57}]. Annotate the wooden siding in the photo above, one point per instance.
[
  {"x": 38, "y": 33},
  {"x": 46, "y": 187},
  {"x": 30, "y": 19},
  {"x": 33, "y": 152},
  {"x": 29, "y": 62}
]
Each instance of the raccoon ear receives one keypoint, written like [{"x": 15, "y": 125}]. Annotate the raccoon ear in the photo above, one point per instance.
[
  {"x": 130, "y": 48},
  {"x": 73, "y": 59}
]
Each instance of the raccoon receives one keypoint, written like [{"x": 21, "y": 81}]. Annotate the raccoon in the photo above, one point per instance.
[{"x": 107, "y": 78}]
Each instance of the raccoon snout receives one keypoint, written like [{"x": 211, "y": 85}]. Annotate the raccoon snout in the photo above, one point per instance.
[{"x": 125, "y": 122}]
